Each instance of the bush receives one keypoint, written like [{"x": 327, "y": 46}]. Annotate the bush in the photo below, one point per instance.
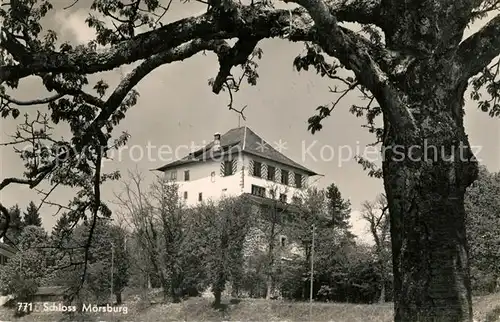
[
  {"x": 25, "y": 271},
  {"x": 482, "y": 283},
  {"x": 293, "y": 282}
]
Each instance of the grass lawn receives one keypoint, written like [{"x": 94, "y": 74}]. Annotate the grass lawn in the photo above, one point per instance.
[{"x": 486, "y": 308}]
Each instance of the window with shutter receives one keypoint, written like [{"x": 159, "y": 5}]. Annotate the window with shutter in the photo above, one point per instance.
[
  {"x": 271, "y": 173},
  {"x": 284, "y": 176},
  {"x": 228, "y": 167},
  {"x": 250, "y": 167},
  {"x": 298, "y": 180},
  {"x": 235, "y": 165},
  {"x": 257, "y": 169}
]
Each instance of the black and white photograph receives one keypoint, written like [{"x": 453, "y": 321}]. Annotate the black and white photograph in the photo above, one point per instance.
[{"x": 250, "y": 160}]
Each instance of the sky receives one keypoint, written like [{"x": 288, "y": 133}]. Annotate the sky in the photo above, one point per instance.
[{"x": 177, "y": 107}]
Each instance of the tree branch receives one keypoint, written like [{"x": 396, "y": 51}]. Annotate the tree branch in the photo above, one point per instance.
[
  {"x": 95, "y": 211},
  {"x": 30, "y": 182},
  {"x": 361, "y": 11},
  {"x": 483, "y": 8},
  {"x": 64, "y": 90},
  {"x": 236, "y": 56},
  {"x": 177, "y": 54},
  {"x": 31, "y": 102},
  {"x": 246, "y": 22},
  {"x": 477, "y": 51},
  {"x": 243, "y": 22},
  {"x": 355, "y": 53}
]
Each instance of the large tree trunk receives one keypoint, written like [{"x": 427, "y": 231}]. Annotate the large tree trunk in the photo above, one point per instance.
[
  {"x": 425, "y": 194},
  {"x": 429, "y": 246},
  {"x": 219, "y": 286}
]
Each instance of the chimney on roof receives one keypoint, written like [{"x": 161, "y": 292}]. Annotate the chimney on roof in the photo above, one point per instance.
[{"x": 217, "y": 141}]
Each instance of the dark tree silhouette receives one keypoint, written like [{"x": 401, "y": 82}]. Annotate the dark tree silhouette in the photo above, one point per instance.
[
  {"x": 32, "y": 216},
  {"x": 339, "y": 209}
]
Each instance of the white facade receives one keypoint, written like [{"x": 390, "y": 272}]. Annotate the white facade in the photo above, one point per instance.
[{"x": 206, "y": 178}]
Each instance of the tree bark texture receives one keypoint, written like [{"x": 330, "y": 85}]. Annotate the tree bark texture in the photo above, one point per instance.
[{"x": 425, "y": 188}]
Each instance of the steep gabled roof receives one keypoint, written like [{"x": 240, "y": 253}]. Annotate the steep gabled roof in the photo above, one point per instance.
[{"x": 238, "y": 139}]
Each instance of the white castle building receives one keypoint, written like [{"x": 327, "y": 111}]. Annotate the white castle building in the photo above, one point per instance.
[
  {"x": 235, "y": 163},
  {"x": 239, "y": 163}
]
